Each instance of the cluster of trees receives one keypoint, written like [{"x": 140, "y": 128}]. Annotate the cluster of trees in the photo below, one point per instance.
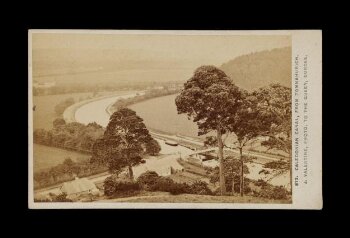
[
  {"x": 66, "y": 172},
  {"x": 153, "y": 93},
  {"x": 124, "y": 143},
  {"x": 72, "y": 136},
  {"x": 255, "y": 70},
  {"x": 65, "y": 88},
  {"x": 232, "y": 172},
  {"x": 215, "y": 103},
  {"x": 54, "y": 198},
  {"x": 151, "y": 181},
  {"x": 258, "y": 188},
  {"x": 116, "y": 186}
]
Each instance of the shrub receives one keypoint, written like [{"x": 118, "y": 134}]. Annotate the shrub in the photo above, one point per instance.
[
  {"x": 163, "y": 184},
  {"x": 61, "y": 198},
  {"x": 168, "y": 185},
  {"x": 179, "y": 188},
  {"x": 201, "y": 188},
  {"x": 113, "y": 185},
  {"x": 277, "y": 165},
  {"x": 272, "y": 192},
  {"x": 280, "y": 193},
  {"x": 261, "y": 183},
  {"x": 148, "y": 179}
]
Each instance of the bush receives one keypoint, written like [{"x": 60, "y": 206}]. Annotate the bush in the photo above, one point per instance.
[
  {"x": 61, "y": 198},
  {"x": 66, "y": 171},
  {"x": 272, "y": 192},
  {"x": 179, "y": 188},
  {"x": 201, "y": 188},
  {"x": 148, "y": 179},
  {"x": 113, "y": 185},
  {"x": 280, "y": 193},
  {"x": 162, "y": 184},
  {"x": 277, "y": 165},
  {"x": 168, "y": 185},
  {"x": 261, "y": 183}
]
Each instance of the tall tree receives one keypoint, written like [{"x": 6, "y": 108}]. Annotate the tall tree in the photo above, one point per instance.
[
  {"x": 264, "y": 112},
  {"x": 275, "y": 105},
  {"x": 124, "y": 142},
  {"x": 247, "y": 127},
  {"x": 210, "y": 98}
]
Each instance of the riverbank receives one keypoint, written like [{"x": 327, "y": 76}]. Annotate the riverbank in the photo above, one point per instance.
[
  {"x": 187, "y": 144},
  {"x": 69, "y": 113}
]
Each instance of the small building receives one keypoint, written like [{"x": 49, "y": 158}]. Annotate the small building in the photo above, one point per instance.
[{"x": 78, "y": 187}]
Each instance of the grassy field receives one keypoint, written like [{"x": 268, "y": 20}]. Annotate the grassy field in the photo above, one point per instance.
[
  {"x": 44, "y": 113},
  {"x": 163, "y": 197},
  {"x": 46, "y": 157}
]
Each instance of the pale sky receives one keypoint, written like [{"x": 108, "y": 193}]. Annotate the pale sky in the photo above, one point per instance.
[{"x": 208, "y": 49}]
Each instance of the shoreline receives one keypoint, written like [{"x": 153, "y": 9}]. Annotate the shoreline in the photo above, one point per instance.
[{"x": 69, "y": 112}]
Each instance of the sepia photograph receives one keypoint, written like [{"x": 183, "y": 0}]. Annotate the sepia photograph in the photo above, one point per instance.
[{"x": 159, "y": 119}]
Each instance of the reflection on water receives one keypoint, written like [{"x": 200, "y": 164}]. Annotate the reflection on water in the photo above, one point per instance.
[{"x": 96, "y": 112}]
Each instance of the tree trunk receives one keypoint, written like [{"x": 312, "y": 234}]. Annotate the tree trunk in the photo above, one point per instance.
[
  {"x": 241, "y": 187},
  {"x": 131, "y": 173},
  {"x": 221, "y": 162}
]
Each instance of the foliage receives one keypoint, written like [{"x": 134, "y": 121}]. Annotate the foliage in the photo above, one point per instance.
[
  {"x": 282, "y": 165},
  {"x": 123, "y": 143},
  {"x": 68, "y": 88},
  {"x": 260, "y": 113},
  {"x": 61, "y": 198},
  {"x": 114, "y": 185},
  {"x": 269, "y": 191},
  {"x": 210, "y": 141},
  {"x": 153, "y": 147},
  {"x": 274, "y": 102},
  {"x": 255, "y": 70},
  {"x": 152, "y": 182},
  {"x": 72, "y": 136},
  {"x": 65, "y": 172},
  {"x": 54, "y": 198},
  {"x": 148, "y": 179},
  {"x": 42, "y": 136},
  {"x": 210, "y": 98},
  {"x": 200, "y": 187},
  {"x": 162, "y": 184},
  {"x": 58, "y": 122},
  {"x": 231, "y": 171}
]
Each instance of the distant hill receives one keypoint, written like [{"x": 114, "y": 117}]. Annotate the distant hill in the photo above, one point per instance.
[{"x": 261, "y": 68}]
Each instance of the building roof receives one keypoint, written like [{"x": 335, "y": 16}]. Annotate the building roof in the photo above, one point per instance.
[{"x": 77, "y": 186}]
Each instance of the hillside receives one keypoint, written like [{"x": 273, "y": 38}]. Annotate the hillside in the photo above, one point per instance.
[{"x": 261, "y": 68}]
